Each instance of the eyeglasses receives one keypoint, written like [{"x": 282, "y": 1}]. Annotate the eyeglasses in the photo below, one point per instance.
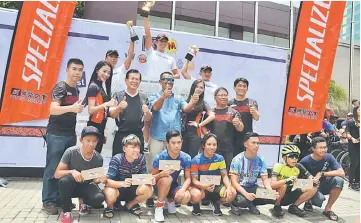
[
  {"x": 168, "y": 79},
  {"x": 323, "y": 147},
  {"x": 222, "y": 95},
  {"x": 293, "y": 156}
]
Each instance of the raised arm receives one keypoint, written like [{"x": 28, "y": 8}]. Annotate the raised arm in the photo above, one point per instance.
[
  {"x": 128, "y": 60},
  {"x": 185, "y": 70},
  {"x": 148, "y": 35}
]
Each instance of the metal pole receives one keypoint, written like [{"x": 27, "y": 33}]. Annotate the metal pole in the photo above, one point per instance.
[
  {"x": 255, "y": 22},
  {"x": 217, "y": 19},
  {"x": 291, "y": 24},
  {"x": 172, "y": 25},
  {"x": 351, "y": 55}
]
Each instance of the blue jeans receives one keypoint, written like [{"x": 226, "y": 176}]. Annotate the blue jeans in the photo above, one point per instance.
[{"x": 56, "y": 146}]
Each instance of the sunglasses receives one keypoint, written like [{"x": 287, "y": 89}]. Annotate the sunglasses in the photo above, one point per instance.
[
  {"x": 168, "y": 79},
  {"x": 293, "y": 156}
]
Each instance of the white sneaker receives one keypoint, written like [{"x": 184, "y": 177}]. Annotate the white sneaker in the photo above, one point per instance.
[
  {"x": 172, "y": 209},
  {"x": 158, "y": 214}
]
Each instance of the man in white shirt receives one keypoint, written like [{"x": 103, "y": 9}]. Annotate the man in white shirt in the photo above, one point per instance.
[
  {"x": 206, "y": 74},
  {"x": 118, "y": 83},
  {"x": 158, "y": 61}
]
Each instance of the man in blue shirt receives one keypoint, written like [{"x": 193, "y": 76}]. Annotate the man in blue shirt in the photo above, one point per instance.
[
  {"x": 327, "y": 172},
  {"x": 166, "y": 109}
]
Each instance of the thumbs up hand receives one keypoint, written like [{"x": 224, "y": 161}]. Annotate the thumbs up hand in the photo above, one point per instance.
[
  {"x": 77, "y": 107},
  {"x": 123, "y": 104}
]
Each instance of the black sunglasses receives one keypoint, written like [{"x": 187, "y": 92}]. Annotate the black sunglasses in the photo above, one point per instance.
[
  {"x": 168, "y": 79},
  {"x": 293, "y": 156}
]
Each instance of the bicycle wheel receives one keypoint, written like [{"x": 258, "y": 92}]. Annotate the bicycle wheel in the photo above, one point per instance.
[
  {"x": 335, "y": 152},
  {"x": 345, "y": 162},
  {"x": 338, "y": 157}
]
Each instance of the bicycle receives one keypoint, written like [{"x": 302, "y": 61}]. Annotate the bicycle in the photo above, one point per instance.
[{"x": 345, "y": 162}]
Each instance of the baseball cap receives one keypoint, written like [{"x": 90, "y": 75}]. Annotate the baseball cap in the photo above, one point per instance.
[
  {"x": 90, "y": 130},
  {"x": 162, "y": 37},
  {"x": 206, "y": 67},
  {"x": 110, "y": 52},
  {"x": 350, "y": 114},
  {"x": 333, "y": 117}
]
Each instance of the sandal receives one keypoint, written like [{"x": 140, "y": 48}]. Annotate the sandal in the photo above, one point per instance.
[
  {"x": 136, "y": 210},
  {"x": 330, "y": 215},
  {"x": 108, "y": 213}
]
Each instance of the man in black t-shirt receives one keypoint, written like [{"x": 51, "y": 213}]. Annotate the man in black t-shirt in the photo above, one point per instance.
[
  {"x": 248, "y": 108},
  {"x": 60, "y": 133},
  {"x": 226, "y": 124},
  {"x": 131, "y": 112}
]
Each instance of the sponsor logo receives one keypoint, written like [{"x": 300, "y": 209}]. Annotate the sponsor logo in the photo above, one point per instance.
[
  {"x": 29, "y": 96},
  {"x": 172, "y": 46},
  {"x": 142, "y": 58},
  {"x": 303, "y": 113},
  {"x": 82, "y": 82}
]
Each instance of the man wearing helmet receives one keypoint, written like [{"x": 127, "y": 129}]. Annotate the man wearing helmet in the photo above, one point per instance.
[{"x": 283, "y": 176}]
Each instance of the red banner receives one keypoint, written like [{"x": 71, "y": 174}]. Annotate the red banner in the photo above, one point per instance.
[
  {"x": 311, "y": 66},
  {"x": 36, "y": 53}
]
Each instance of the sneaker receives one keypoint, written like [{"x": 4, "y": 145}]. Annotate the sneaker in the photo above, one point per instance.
[
  {"x": 216, "y": 209},
  {"x": 150, "y": 203},
  {"x": 308, "y": 206},
  {"x": 66, "y": 217},
  {"x": 158, "y": 214},
  {"x": 227, "y": 205},
  {"x": 205, "y": 202},
  {"x": 277, "y": 211},
  {"x": 294, "y": 209},
  {"x": 50, "y": 209},
  {"x": 196, "y": 210},
  {"x": 84, "y": 209},
  {"x": 354, "y": 186},
  {"x": 236, "y": 210},
  {"x": 172, "y": 209},
  {"x": 253, "y": 209}
]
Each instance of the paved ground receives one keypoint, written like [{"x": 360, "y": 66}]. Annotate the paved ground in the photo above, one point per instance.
[{"x": 21, "y": 202}]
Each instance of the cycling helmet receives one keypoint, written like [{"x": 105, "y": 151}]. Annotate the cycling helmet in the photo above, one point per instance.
[{"x": 288, "y": 149}]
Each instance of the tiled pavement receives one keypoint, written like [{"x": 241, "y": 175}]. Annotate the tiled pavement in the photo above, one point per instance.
[{"x": 21, "y": 202}]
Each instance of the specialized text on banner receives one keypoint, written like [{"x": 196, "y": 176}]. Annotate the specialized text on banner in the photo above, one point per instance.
[
  {"x": 36, "y": 55},
  {"x": 312, "y": 60}
]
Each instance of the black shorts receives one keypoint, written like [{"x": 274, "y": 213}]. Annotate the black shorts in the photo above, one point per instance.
[
  {"x": 216, "y": 194},
  {"x": 291, "y": 196},
  {"x": 127, "y": 193}
]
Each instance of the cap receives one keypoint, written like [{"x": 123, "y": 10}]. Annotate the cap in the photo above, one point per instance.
[
  {"x": 162, "y": 37},
  {"x": 110, "y": 52},
  {"x": 206, "y": 67},
  {"x": 350, "y": 114},
  {"x": 90, "y": 130},
  {"x": 333, "y": 116}
]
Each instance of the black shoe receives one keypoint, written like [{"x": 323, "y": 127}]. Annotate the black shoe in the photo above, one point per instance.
[
  {"x": 227, "y": 205},
  {"x": 253, "y": 209},
  {"x": 293, "y": 209},
  {"x": 205, "y": 202},
  {"x": 196, "y": 210},
  {"x": 236, "y": 210},
  {"x": 217, "y": 209},
  {"x": 308, "y": 207},
  {"x": 277, "y": 211},
  {"x": 189, "y": 204},
  {"x": 150, "y": 203},
  {"x": 354, "y": 186},
  {"x": 50, "y": 209}
]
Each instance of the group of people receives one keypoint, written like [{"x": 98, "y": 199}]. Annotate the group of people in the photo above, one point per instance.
[{"x": 208, "y": 133}]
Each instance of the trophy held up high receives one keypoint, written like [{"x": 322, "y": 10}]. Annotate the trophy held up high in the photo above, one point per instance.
[
  {"x": 133, "y": 35},
  {"x": 193, "y": 50},
  {"x": 146, "y": 8}
]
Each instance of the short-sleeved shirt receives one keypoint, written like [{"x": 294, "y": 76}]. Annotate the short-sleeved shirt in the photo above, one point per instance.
[
  {"x": 158, "y": 62},
  {"x": 353, "y": 129},
  {"x": 247, "y": 170},
  {"x": 75, "y": 160},
  {"x": 282, "y": 171},
  {"x": 223, "y": 127},
  {"x": 118, "y": 79},
  {"x": 132, "y": 118},
  {"x": 209, "y": 92},
  {"x": 197, "y": 115},
  {"x": 96, "y": 92},
  {"x": 328, "y": 163},
  {"x": 120, "y": 168},
  {"x": 63, "y": 124},
  {"x": 202, "y": 165},
  {"x": 168, "y": 117},
  {"x": 244, "y": 109},
  {"x": 185, "y": 162}
]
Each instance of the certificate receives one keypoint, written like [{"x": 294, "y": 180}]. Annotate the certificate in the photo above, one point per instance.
[
  {"x": 303, "y": 184},
  {"x": 210, "y": 179},
  {"x": 169, "y": 164},
  {"x": 265, "y": 194},
  {"x": 93, "y": 173},
  {"x": 140, "y": 179}
]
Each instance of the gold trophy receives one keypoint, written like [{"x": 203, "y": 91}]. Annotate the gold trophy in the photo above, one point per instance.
[
  {"x": 193, "y": 50},
  {"x": 146, "y": 8},
  {"x": 133, "y": 35}
]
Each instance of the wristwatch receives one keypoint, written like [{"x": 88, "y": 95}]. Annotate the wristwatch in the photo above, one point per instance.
[{"x": 322, "y": 174}]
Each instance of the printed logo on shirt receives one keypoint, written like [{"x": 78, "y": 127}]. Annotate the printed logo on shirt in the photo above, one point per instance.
[{"x": 226, "y": 117}]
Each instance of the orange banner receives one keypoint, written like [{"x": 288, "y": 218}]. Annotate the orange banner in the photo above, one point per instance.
[
  {"x": 35, "y": 56},
  {"x": 311, "y": 66}
]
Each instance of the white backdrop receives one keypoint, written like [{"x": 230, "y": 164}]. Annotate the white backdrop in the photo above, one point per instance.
[{"x": 263, "y": 66}]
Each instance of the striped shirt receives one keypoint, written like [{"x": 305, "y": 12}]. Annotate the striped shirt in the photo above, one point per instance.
[
  {"x": 202, "y": 165},
  {"x": 120, "y": 168}
]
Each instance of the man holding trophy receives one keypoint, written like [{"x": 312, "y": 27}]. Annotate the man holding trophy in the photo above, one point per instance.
[
  {"x": 157, "y": 60},
  {"x": 205, "y": 73}
]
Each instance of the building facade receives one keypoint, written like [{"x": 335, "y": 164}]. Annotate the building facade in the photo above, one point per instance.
[{"x": 275, "y": 24}]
